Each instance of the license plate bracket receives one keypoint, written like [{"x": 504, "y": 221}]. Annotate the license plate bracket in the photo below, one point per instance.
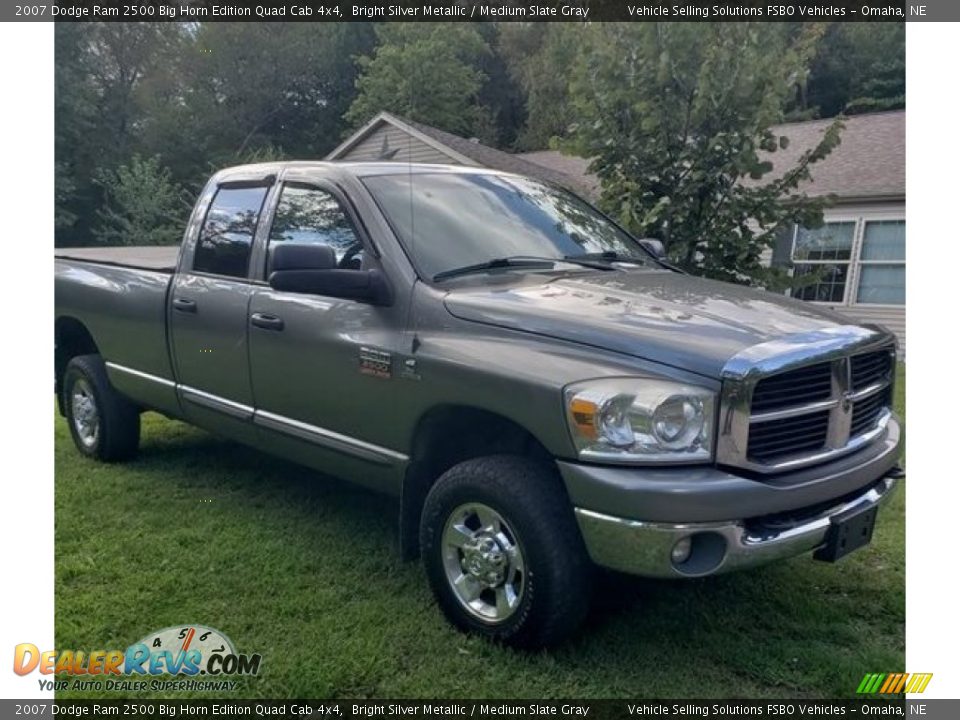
[{"x": 849, "y": 531}]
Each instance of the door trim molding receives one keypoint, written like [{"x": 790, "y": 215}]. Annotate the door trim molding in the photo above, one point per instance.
[
  {"x": 215, "y": 402},
  {"x": 140, "y": 374},
  {"x": 328, "y": 438},
  {"x": 279, "y": 423}
]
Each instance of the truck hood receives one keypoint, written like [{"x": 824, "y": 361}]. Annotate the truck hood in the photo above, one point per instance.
[{"x": 661, "y": 316}]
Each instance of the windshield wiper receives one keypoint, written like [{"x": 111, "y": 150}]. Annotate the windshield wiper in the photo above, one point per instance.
[
  {"x": 609, "y": 256},
  {"x": 614, "y": 256},
  {"x": 518, "y": 261}
]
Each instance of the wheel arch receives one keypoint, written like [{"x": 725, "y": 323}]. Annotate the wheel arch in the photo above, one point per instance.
[
  {"x": 448, "y": 434},
  {"x": 71, "y": 338}
]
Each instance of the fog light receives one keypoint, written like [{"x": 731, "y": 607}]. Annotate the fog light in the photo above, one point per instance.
[{"x": 681, "y": 551}]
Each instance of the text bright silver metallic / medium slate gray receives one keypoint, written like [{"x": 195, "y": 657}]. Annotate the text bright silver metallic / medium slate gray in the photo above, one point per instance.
[{"x": 535, "y": 385}]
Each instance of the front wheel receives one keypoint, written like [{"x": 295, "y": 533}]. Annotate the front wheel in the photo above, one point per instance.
[
  {"x": 103, "y": 423},
  {"x": 503, "y": 553}
]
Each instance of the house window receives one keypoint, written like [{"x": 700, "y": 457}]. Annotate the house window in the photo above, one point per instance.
[
  {"x": 882, "y": 266},
  {"x": 861, "y": 261},
  {"x": 824, "y": 252}
]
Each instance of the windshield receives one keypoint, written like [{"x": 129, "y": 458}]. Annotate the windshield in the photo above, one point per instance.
[{"x": 452, "y": 220}]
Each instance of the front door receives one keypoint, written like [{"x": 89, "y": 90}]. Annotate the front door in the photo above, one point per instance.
[
  {"x": 322, "y": 368},
  {"x": 208, "y": 315}
]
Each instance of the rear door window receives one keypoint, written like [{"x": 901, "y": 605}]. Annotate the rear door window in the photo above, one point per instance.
[{"x": 226, "y": 237}]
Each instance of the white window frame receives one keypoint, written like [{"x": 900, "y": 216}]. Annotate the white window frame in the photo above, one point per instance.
[
  {"x": 855, "y": 263},
  {"x": 838, "y": 220},
  {"x": 854, "y": 279}
]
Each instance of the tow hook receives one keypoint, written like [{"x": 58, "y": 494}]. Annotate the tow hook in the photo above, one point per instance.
[{"x": 896, "y": 473}]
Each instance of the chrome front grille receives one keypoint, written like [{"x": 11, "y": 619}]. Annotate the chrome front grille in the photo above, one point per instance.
[
  {"x": 867, "y": 369},
  {"x": 797, "y": 387},
  {"x": 805, "y": 399},
  {"x": 774, "y": 438},
  {"x": 867, "y": 412}
]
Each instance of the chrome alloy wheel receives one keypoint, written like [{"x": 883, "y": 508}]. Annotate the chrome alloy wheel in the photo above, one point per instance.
[
  {"x": 483, "y": 562},
  {"x": 86, "y": 418}
]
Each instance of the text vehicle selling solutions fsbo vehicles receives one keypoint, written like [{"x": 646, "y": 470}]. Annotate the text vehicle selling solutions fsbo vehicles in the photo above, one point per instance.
[{"x": 541, "y": 391}]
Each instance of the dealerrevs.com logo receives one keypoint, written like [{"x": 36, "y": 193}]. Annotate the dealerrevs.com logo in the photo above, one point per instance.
[{"x": 181, "y": 650}]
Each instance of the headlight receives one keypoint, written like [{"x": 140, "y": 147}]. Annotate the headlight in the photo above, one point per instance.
[{"x": 627, "y": 420}]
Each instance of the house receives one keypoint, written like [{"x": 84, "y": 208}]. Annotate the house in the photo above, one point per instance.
[
  {"x": 388, "y": 137},
  {"x": 859, "y": 254}
]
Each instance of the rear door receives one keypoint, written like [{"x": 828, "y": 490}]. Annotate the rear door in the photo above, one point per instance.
[{"x": 208, "y": 312}]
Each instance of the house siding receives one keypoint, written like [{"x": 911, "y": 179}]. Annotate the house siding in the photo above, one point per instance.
[
  {"x": 409, "y": 148},
  {"x": 893, "y": 318}
]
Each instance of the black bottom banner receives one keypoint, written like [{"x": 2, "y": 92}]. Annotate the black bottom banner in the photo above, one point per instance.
[{"x": 484, "y": 709}]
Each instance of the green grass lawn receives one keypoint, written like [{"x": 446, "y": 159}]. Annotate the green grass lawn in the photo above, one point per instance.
[{"x": 305, "y": 571}]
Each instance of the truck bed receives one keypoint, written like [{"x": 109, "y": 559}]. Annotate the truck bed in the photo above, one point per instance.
[{"x": 148, "y": 257}]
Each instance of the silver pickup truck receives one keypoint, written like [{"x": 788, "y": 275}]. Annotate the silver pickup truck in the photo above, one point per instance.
[{"x": 542, "y": 392}]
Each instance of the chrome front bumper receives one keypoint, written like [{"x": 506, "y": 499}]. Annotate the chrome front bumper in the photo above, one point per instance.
[{"x": 644, "y": 548}]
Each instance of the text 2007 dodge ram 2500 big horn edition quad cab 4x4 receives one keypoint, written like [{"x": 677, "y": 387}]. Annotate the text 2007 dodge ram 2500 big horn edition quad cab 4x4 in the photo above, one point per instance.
[{"x": 541, "y": 392}]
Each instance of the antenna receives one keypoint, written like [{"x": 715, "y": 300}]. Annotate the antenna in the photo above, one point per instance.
[{"x": 413, "y": 233}]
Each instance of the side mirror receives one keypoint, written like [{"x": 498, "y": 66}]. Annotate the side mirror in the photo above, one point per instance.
[
  {"x": 654, "y": 247},
  {"x": 312, "y": 270},
  {"x": 368, "y": 286}
]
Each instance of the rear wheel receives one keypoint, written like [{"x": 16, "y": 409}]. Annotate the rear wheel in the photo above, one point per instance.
[
  {"x": 503, "y": 553},
  {"x": 104, "y": 424}
]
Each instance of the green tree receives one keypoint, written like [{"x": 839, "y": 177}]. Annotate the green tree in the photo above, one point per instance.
[
  {"x": 100, "y": 71},
  {"x": 73, "y": 121},
  {"x": 501, "y": 95},
  {"x": 247, "y": 88},
  {"x": 143, "y": 206},
  {"x": 857, "y": 68},
  {"x": 678, "y": 120},
  {"x": 200, "y": 95},
  {"x": 428, "y": 72},
  {"x": 540, "y": 58}
]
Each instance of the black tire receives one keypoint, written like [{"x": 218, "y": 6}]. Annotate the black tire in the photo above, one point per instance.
[
  {"x": 530, "y": 498},
  {"x": 117, "y": 420}
]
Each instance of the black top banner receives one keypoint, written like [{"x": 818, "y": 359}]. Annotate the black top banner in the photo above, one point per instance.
[{"x": 406, "y": 10}]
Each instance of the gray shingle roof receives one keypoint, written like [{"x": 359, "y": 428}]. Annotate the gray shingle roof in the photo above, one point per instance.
[
  {"x": 571, "y": 165},
  {"x": 870, "y": 161},
  {"x": 507, "y": 162}
]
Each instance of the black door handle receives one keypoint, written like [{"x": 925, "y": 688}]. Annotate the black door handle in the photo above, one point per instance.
[
  {"x": 265, "y": 321},
  {"x": 184, "y": 305}
]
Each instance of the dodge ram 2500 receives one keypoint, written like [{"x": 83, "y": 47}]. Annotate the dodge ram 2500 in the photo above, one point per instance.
[{"x": 542, "y": 392}]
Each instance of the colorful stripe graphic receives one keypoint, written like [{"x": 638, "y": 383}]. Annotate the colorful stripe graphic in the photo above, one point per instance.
[{"x": 893, "y": 683}]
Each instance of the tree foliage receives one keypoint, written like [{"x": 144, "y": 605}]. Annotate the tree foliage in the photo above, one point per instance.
[
  {"x": 100, "y": 68},
  {"x": 678, "y": 120},
  {"x": 540, "y": 58},
  {"x": 857, "y": 68},
  {"x": 239, "y": 87},
  {"x": 194, "y": 97},
  {"x": 428, "y": 72},
  {"x": 143, "y": 206},
  {"x": 198, "y": 96}
]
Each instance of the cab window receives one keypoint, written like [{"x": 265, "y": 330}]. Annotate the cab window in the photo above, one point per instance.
[
  {"x": 227, "y": 233},
  {"x": 311, "y": 216}
]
